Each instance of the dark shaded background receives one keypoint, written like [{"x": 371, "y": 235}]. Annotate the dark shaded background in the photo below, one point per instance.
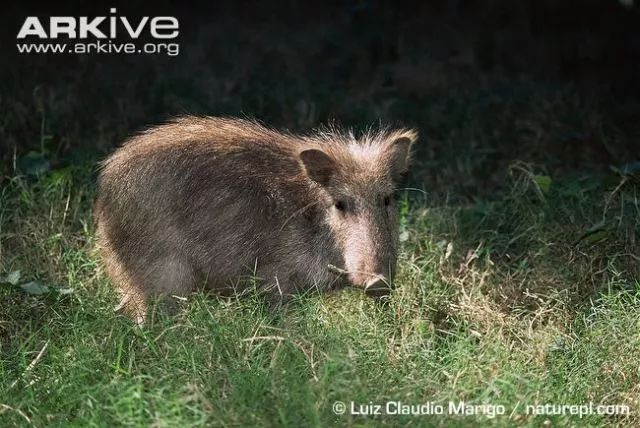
[{"x": 554, "y": 83}]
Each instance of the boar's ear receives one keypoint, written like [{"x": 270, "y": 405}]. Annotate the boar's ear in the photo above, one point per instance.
[
  {"x": 318, "y": 165},
  {"x": 400, "y": 153}
]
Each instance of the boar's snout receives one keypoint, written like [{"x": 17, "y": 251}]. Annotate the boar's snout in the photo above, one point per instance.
[
  {"x": 369, "y": 260},
  {"x": 374, "y": 285},
  {"x": 377, "y": 287}
]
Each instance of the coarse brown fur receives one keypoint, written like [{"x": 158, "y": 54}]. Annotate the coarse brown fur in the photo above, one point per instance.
[{"x": 205, "y": 201}]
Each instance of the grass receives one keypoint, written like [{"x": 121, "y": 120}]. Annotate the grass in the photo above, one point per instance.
[{"x": 528, "y": 298}]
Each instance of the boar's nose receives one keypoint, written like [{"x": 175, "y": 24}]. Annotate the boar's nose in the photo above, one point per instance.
[{"x": 377, "y": 287}]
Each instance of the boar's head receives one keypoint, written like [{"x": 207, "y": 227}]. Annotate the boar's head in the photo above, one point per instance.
[{"x": 357, "y": 181}]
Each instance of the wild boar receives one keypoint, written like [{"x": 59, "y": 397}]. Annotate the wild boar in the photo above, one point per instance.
[{"x": 204, "y": 201}]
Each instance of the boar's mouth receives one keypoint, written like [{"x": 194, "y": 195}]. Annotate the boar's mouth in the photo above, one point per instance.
[{"x": 377, "y": 286}]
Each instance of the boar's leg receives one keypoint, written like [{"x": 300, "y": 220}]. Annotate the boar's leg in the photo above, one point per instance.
[
  {"x": 133, "y": 306},
  {"x": 276, "y": 293},
  {"x": 142, "y": 280},
  {"x": 133, "y": 301}
]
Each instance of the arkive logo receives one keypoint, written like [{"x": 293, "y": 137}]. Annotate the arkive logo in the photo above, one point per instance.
[
  {"x": 111, "y": 34},
  {"x": 100, "y": 27}
]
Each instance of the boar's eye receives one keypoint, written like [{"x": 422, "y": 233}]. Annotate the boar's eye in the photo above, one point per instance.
[
  {"x": 340, "y": 206},
  {"x": 387, "y": 201}
]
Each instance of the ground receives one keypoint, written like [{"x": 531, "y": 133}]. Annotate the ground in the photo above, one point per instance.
[
  {"x": 527, "y": 297},
  {"x": 519, "y": 274}
]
